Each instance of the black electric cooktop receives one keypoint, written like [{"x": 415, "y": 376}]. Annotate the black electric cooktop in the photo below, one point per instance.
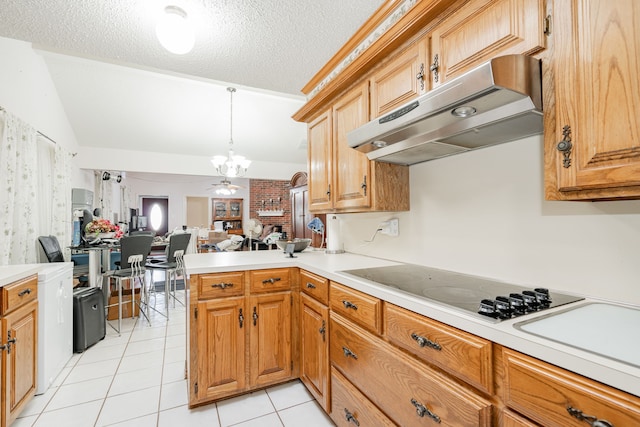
[{"x": 485, "y": 298}]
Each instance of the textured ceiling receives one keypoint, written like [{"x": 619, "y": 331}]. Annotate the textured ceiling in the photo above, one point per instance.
[
  {"x": 121, "y": 90},
  {"x": 270, "y": 44}
]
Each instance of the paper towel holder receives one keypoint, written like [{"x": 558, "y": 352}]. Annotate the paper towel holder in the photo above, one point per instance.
[{"x": 333, "y": 251}]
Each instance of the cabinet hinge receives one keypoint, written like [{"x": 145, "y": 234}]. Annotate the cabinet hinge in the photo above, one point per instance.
[
  {"x": 547, "y": 25},
  {"x": 292, "y": 365},
  {"x": 195, "y": 387},
  {"x": 195, "y": 313}
]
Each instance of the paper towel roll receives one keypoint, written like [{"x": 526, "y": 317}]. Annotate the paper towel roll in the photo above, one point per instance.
[{"x": 334, "y": 237}]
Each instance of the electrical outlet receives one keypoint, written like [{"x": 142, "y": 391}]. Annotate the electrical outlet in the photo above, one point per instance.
[{"x": 390, "y": 228}]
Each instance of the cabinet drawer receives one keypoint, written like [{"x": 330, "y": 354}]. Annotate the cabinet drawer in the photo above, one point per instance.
[
  {"x": 220, "y": 285},
  {"x": 350, "y": 407},
  {"x": 19, "y": 293},
  {"x": 547, "y": 394},
  {"x": 511, "y": 419},
  {"x": 314, "y": 285},
  {"x": 361, "y": 308},
  {"x": 409, "y": 392},
  {"x": 276, "y": 279},
  {"x": 461, "y": 354}
]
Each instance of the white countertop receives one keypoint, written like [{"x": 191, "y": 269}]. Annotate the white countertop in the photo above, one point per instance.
[
  {"x": 11, "y": 273},
  {"x": 608, "y": 371}
]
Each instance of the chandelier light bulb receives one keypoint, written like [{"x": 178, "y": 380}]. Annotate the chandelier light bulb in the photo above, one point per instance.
[{"x": 174, "y": 31}]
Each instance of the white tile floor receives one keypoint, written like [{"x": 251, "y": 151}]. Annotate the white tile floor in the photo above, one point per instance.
[{"x": 137, "y": 379}]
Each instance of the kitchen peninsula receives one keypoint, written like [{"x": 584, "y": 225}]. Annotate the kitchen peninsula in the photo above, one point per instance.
[{"x": 507, "y": 374}]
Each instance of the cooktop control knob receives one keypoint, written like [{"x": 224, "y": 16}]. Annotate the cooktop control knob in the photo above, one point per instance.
[
  {"x": 517, "y": 304},
  {"x": 487, "y": 308},
  {"x": 531, "y": 300},
  {"x": 503, "y": 307},
  {"x": 543, "y": 296}
]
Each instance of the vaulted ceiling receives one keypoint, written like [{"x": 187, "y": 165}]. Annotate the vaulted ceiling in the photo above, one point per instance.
[{"x": 122, "y": 90}]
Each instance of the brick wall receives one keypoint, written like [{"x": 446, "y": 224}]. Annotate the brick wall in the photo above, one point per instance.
[{"x": 267, "y": 194}]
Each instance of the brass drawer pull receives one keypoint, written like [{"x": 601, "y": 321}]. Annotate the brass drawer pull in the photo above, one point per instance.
[
  {"x": 350, "y": 418},
  {"x": 310, "y": 285},
  {"x": 271, "y": 280},
  {"x": 323, "y": 330},
  {"x": 349, "y": 353},
  {"x": 349, "y": 304},
  {"x": 24, "y": 292},
  {"x": 593, "y": 421},
  {"x": 222, "y": 285},
  {"x": 426, "y": 342},
  {"x": 422, "y": 410},
  {"x": 241, "y": 318}
]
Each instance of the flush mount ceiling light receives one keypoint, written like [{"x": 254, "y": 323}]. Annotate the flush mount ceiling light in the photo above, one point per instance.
[
  {"x": 231, "y": 165},
  {"x": 464, "y": 111},
  {"x": 174, "y": 31}
]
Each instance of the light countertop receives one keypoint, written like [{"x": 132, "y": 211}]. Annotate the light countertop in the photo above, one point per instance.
[
  {"x": 11, "y": 273},
  {"x": 617, "y": 374}
]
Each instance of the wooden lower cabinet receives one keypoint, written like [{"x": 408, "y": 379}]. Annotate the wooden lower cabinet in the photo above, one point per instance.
[
  {"x": 241, "y": 342},
  {"x": 555, "y": 397},
  {"x": 19, "y": 333},
  {"x": 350, "y": 407},
  {"x": 407, "y": 391},
  {"x": 221, "y": 348},
  {"x": 314, "y": 349}
]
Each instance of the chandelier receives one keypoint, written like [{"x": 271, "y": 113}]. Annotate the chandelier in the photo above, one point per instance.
[{"x": 231, "y": 165}]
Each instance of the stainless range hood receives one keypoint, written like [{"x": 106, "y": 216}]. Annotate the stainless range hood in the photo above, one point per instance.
[{"x": 496, "y": 102}]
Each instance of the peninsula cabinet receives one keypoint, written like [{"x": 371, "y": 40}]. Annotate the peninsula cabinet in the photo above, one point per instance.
[
  {"x": 342, "y": 179},
  {"x": 240, "y": 333},
  {"x": 18, "y": 352},
  {"x": 592, "y": 133}
]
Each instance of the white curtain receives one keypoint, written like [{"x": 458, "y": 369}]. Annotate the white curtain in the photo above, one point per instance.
[
  {"x": 19, "y": 216},
  {"x": 36, "y": 196}
]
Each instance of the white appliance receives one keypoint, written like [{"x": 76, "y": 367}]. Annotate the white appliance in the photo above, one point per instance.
[{"x": 55, "y": 321}]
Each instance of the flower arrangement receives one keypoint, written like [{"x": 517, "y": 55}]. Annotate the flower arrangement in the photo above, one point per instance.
[{"x": 103, "y": 226}]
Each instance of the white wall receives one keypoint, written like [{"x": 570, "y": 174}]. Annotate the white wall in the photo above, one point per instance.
[{"x": 484, "y": 213}]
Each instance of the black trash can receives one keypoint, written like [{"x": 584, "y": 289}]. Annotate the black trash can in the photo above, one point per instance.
[{"x": 89, "y": 325}]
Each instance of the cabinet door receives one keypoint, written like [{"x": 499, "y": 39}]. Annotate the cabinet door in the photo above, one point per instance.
[
  {"x": 314, "y": 349},
  {"x": 269, "y": 323},
  {"x": 483, "y": 29},
  {"x": 320, "y": 152},
  {"x": 220, "y": 210},
  {"x": 221, "y": 328},
  {"x": 235, "y": 208},
  {"x": 398, "y": 82},
  {"x": 352, "y": 177},
  {"x": 19, "y": 370},
  {"x": 597, "y": 98}
]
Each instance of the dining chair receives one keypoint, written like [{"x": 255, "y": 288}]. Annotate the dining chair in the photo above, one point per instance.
[
  {"x": 172, "y": 266},
  {"x": 134, "y": 251}
]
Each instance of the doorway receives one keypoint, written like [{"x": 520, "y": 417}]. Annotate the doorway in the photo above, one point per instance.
[
  {"x": 198, "y": 212},
  {"x": 156, "y": 209}
]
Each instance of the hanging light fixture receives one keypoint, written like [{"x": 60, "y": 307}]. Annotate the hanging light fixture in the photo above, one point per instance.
[
  {"x": 174, "y": 31},
  {"x": 231, "y": 165}
]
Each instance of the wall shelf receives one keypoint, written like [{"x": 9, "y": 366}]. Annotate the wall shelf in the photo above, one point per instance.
[{"x": 270, "y": 213}]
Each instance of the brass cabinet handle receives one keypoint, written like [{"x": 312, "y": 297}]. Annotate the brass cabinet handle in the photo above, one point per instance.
[
  {"x": 255, "y": 317},
  {"x": 349, "y": 353},
  {"x": 565, "y": 146},
  {"x": 590, "y": 419},
  {"x": 349, "y": 304},
  {"x": 10, "y": 341},
  {"x": 310, "y": 285},
  {"x": 425, "y": 342},
  {"x": 350, "y": 418},
  {"x": 271, "y": 280},
  {"x": 329, "y": 191},
  {"x": 422, "y": 411},
  {"x": 24, "y": 292},
  {"x": 241, "y": 318},
  {"x": 222, "y": 285},
  {"x": 364, "y": 185}
]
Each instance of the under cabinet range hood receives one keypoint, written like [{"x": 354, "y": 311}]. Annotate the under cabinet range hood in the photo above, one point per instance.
[{"x": 496, "y": 102}]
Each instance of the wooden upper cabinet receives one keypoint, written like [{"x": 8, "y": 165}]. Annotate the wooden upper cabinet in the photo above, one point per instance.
[
  {"x": 352, "y": 177},
  {"x": 592, "y": 144},
  {"x": 402, "y": 79},
  {"x": 319, "y": 152},
  {"x": 484, "y": 29}
]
